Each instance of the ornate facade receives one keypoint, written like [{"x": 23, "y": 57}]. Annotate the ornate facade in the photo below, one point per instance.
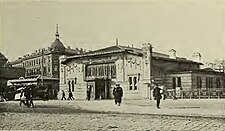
[{"x": 133, "y": 68}]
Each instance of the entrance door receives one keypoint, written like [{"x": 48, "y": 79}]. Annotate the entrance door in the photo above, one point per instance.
[
  {"x": 102, "y": 89},
  {"x": 91, "y": 86}
]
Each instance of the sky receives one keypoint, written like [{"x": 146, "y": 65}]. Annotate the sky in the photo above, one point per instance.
[{"x": 187, "y": 26}]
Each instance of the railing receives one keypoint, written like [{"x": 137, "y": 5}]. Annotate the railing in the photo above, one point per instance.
[{"x": 195, "y": 94}]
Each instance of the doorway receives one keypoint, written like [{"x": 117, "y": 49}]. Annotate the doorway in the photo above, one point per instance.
[{"x": 100, "y": 89}]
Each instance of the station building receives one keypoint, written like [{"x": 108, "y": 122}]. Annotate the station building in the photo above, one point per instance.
[{"x": 137, "y": 70}]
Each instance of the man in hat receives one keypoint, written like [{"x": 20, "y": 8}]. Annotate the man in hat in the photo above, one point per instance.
[
  {"x": 118, "y": 94},
  {"x": 63, "y": 95},
  {"x": 157, "y": 95}
]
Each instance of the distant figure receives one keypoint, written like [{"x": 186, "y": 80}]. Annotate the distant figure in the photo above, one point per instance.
[
  {"x": 118, "y": 94},
  {"x": 63, "y": 95},
  {"x": 27, "y": 95},
  {"x": 70, "y": 96},
  {"x": 157, "y": 95},
  {"x": 31, "y": 96},
  {"x": 88, "y": 93},
  {"x": 45, "y": 95},
  {"x": 22, "y": 97}
]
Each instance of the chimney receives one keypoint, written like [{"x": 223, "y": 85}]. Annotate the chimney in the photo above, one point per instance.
[
  {"x": 197, "y": 57},
  {"x": 172, "y": 54},
  {"x": 68, "y": 47}
]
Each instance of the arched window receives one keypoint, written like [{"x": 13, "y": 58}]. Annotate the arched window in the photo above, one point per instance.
[
  {"x": 72, "y": 85},
  {"x": 69, "y": 86}
]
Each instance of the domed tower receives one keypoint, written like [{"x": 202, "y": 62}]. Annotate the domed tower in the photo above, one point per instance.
[{"x": 57, "y": 45}]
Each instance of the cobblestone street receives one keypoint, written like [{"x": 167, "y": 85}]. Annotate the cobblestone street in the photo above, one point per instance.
[
  {"x": 72, "y": 115},
  {"x": 95, "y": 121}
]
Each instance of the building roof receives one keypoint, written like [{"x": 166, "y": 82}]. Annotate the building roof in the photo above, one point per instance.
[
  {"x": 57, "y": 45},
  {"x": 181, "y": 60},
  {"x": 131, "y": 50},
  {"x": 35, "y": 79},
  {"x": 202, "y": 71},
  {"x": 2, "y": 57},
  {"x": 11, "y": 72}
]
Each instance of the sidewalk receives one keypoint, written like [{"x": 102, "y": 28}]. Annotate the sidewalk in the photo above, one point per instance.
[
  {"x": 203, "y": 108},
  {"x": 181, "y": 107}
]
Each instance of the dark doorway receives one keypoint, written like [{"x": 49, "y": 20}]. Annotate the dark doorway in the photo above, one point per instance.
[{"x": 102, "y": 89}]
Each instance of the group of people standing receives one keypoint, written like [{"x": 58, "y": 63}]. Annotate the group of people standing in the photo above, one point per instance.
[
  {"x": 26, "y": 97},
  {"x": 118, "y": 94},
  {"x": 70, "y": 96}
]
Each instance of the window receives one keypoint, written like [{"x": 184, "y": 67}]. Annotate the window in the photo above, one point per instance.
[
  {"x": 48, "y": 68},
  {"x": 209, "y": 82},
  {"x": 135, "y": 83},
  {"x": 69, "y": 86},
  {"x": 174, "y": 82},
  {"x": 217, "y": 82},
  {"x": 72, "y": 85},
  {"x": 130, "y": 83},
  {"x": 75, "y": 80},
  {"x": 199, "y": 82},
  {"x": 102, "y": 70},
  {"x": 55, "y": 69},
  {"x": 178, "y": 81}
]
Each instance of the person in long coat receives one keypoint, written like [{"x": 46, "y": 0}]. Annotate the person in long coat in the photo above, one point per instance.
[
  {"x": 157, "y": 95},
  {"x": 63, "y": 95},
  {"x": 118, "y": 94},
  {"x": 22, "y": 97},
  {"x": 88, "y": 93}
]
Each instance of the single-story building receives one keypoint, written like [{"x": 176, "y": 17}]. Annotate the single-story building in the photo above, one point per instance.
[{"x": 135, "y": 69}]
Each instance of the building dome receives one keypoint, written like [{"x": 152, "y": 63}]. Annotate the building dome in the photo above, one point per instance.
[{"x": 57, "y": 45}]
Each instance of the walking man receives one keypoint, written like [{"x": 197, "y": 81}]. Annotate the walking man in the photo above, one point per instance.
[
  {"x": 118, "y": 94},
  {"x": 63, "y": 95},
  {"x": 88, "y": 93},
  {"x": 157, "y": 95},
  {"x": 70, "y": 96},
  {"x": 22, "y": 97}
]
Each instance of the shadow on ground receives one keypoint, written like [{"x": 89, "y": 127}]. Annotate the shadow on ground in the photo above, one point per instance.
[{"x": 51, "y": 109}]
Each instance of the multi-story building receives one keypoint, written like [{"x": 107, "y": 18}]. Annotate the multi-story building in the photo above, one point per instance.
[
  {"x": 7, "y": 73},
  {"x": 45, "y": 62},
  {"x": 136, "y": 69}
]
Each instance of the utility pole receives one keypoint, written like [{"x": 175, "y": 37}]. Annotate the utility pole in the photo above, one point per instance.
[{"x": 42, "y": 65}]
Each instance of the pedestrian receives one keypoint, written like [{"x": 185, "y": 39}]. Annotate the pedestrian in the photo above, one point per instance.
[
  {"x": 22, "y": 97},
  {"x": 63, "y": 95},
  {"x": 88, "y": 93},
  {"x": 31, "y": 97},
  {"x": 118, "y": 94},
  {"x": 157, "y": 95},
  {"x": 70, "y": 96},
  {"x": 27, "y": 95}
]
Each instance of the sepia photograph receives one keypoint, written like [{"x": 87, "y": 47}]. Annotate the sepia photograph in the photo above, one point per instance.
[{"x": 111, "y": 65}]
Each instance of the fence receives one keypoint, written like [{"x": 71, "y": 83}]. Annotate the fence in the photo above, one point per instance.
[{"x": 196, "y": 94}]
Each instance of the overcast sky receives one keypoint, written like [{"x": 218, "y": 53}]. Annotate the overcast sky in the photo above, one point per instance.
[{"x": 187, "y": 26}]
